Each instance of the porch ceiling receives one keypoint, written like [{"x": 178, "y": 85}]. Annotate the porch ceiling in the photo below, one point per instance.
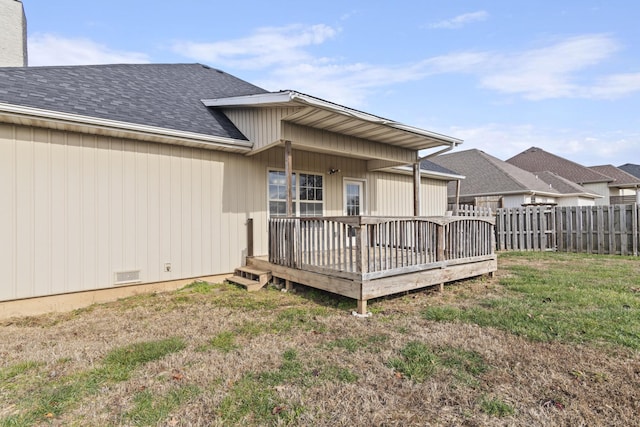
[{"x": 325, "y": 115}]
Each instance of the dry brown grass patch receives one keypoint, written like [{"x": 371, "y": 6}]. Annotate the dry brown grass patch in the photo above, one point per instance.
[{"x": 317, "y": 365}]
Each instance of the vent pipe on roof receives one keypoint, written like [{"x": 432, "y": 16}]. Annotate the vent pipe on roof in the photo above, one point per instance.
[{"x": 13, "y": 34}]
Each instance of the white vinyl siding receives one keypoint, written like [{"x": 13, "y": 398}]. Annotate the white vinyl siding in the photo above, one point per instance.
[
  {"x": 77, "y": 209},
  {"x": 599, "y": 188},
  {"x": 266, "y": 126}
]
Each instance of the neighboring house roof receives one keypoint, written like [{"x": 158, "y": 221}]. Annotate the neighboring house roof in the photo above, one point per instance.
[
  {"x": 565, "y": 186},
  {"x": 537, "y": 160},
  {"x": 161, "y": 95},
  {"x": 621, "y": 179},
  {"x": 487, "y": 175},
  {"x": 631, "y": 168}
]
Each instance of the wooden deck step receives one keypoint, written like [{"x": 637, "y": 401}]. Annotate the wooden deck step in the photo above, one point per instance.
[
  {"x": 262, "y": 276},
  {"x": 251, "y": 278},
  {"x": 250, "y": 284}
]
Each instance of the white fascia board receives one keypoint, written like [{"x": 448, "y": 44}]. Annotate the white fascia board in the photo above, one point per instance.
[
  {"x": 293, "y": 96},
  {"x": 586, "y": 195},
  {"x": 244, "y": 100},
  {"x": 512, "y": 193},
  {"x": 114, "y": 125}
]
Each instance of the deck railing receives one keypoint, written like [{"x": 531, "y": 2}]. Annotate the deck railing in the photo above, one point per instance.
[{"x": 370, "y": 247}]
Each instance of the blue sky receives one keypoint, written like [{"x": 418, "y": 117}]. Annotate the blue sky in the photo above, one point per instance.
[{"x": 502, "y": 75}]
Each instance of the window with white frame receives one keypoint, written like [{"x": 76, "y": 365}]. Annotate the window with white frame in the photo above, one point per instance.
[{"x": 308, "y": 194}]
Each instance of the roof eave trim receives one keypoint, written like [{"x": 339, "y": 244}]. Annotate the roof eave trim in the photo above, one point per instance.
[
  {"x": 511, "y": 193},
  {"x": 293, "y": 96},
  {"x": 429, "y": 173},
  {"x": 115, "y": 126}
]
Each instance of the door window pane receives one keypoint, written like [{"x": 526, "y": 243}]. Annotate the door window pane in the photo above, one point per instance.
[{"x": 353, "y": 198}]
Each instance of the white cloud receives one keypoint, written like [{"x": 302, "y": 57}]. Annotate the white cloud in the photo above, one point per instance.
[
  {"x": 284, "y": 55},
  {"x": 51, "y": 49},
  {"x": 460, "y": 20},
  {"x": 548, "y": 72},
  {"x": 266, "y": 47},
  {"x": 615, "y": 86},
  {"x": 585, "y": 147}
]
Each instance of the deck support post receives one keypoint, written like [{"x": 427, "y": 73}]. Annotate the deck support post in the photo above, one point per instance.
[
  {"x": 288, "y": 172},
  {"x": 249, "y": 237},
  {"x": 416, "y": 189},
  {"x": 287, "y": 285},
  {"x": 441, "y": 287},
  {"x": 362, "y": 306}
]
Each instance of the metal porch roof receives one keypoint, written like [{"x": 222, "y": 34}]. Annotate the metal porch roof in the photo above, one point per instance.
[{"x": 320, "y": 114}]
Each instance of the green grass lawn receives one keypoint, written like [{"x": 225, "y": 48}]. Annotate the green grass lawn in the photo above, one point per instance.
[{"x": 565, "y": 297}]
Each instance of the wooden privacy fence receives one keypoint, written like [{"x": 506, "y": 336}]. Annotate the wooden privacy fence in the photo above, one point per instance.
[
  {"x": 611, "y": 229},
  {"x": 469, "y": 210},
  {"x": 369, "y": 247}
]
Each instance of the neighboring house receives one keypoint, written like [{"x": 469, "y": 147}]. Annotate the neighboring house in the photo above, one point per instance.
[
  {"x": 537, "y": 160},
  {"x": 631, "y": 168},
  {"x": 625, "y": 187},
  {"x": 491, "y": 180},
  {"x": 572, "y": 193}
]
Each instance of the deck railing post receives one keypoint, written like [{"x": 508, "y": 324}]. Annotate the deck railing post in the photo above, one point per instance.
[
  {"x": 360, "y": 249},
  {"x": 440, "y": 242}
]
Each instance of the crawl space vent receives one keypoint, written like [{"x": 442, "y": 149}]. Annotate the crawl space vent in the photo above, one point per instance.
[{"x": 124, "y": 277}]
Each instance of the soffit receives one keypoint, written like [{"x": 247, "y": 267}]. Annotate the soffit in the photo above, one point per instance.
[{"x": 325, "y": 115}]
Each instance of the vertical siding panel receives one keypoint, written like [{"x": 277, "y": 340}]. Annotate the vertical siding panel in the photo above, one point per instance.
[
  {"x": 42, "y": 213},
  {"x": 74, "y": 257},
  {"x": 141, "y": 203},
  {"x": 207, "y": 213},
  {"x": 25, "y": 208},
  {"x": 154, "y": 266},
  {"x": 103, "y": 214},
  {"x": 89, "y": 215},
  {"x": 196, "y": 213},
  {"x": 216, "y": 208},
  {"x": 175, "y": 222},
  {"x": 8, "y": 209},
  {"x": 186, "y": 202},
  {"x": 116, "y": 206},
  {"x": 129, "y": 206},
  {"x": 165, "y": 209}
]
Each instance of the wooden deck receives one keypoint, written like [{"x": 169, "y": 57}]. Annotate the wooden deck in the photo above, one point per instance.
[{"x": 369, "y": 257}]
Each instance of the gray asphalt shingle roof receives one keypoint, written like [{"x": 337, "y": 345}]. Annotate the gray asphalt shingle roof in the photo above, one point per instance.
[
  {"x": 631, "y": 168},
  {"x": 620, "y": 177},
  {"x": 536, "y": 159},
  {"x": 488, "y": 175},
  {"x": 563, "y": 185},
  {"x": 162, "y": 95},
  {"x": 427, "y": 165}
]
